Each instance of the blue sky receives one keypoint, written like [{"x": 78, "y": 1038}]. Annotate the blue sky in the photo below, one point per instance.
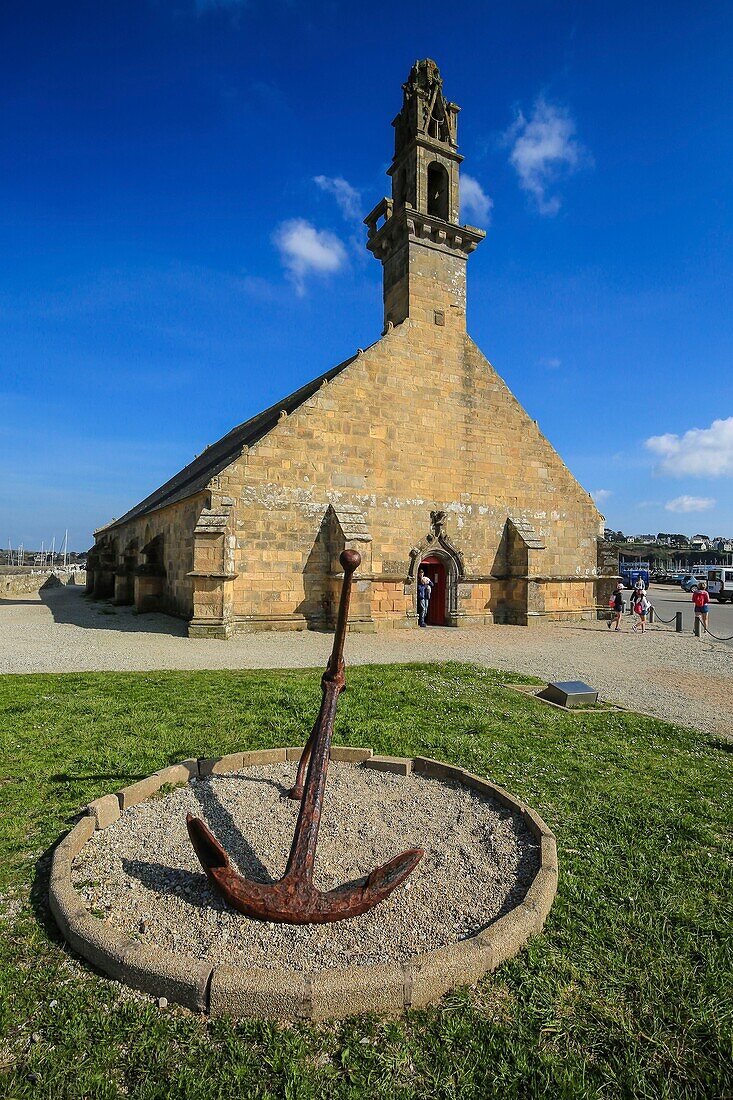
[{"x": 182, "y": 184}]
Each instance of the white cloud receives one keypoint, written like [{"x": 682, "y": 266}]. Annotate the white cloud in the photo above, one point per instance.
[
  {"x": 305, "y": 250},
  {"x": 701, "y": 452},
  {"x": 347, "y": 197},
  {"x": 544, "y": 149},
  {"x": 474, "y": 200},
  {"x": 600, "y": 495},
  {"x": 690, "y": 504},
  {"x": 551, "y": 362}
]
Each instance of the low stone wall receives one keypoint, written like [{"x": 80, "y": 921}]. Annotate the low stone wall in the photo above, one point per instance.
[
  {"x": 222, "y": 990},
  {"x": 18, "y": 584}
]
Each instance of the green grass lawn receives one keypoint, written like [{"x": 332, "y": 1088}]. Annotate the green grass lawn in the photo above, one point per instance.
[{"x": 627, "y": 993}]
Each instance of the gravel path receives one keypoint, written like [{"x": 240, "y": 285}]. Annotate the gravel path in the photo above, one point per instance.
[
  {"x": 674, "y": 676},
  {"x": 143, "y": 875}
]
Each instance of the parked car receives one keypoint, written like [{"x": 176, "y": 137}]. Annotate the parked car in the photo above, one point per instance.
[
  {"x": 688, "y": 583},
  {"x": 720, "y": 584}
]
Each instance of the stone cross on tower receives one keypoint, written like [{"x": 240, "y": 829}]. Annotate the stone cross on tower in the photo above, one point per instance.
[{"x": 416, "y": 234}]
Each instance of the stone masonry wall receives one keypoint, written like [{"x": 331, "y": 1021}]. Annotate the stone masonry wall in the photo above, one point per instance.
[
  {"x": 419, "y": 422},
  {"x": 176, "y": 524}
]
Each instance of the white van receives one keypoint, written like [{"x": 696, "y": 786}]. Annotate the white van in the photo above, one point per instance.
[{"x": 720, "y": 584}]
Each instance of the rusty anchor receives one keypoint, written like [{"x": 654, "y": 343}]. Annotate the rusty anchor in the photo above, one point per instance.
[{"x": 294, "y": 899}]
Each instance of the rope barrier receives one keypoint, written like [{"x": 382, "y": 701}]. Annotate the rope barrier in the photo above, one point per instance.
[
  {"x": 658, "y": 618},
  {"x": 716, "y": 636}
]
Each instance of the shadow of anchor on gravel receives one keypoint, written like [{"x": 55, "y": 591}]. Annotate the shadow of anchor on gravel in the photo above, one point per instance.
[
  {"x": 226, "y": 831},
  {"x": 165, "y": 880}
]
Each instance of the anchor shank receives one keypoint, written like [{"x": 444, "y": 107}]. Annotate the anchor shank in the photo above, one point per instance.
[
  {"x": 302, "y": 852},
  {"x": 350, "y": 559}
]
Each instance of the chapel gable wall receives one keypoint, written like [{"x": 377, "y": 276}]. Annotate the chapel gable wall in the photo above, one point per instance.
[{"x": 419, "y": 422}]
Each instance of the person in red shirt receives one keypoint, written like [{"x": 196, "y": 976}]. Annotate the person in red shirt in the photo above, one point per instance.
[{"x": 701, "y": 600}]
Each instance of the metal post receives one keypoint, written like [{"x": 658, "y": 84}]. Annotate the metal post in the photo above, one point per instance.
[{"x": 678, "y": 621}]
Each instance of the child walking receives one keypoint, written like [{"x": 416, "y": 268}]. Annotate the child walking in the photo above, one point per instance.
[{"x": 641, "y": 608}]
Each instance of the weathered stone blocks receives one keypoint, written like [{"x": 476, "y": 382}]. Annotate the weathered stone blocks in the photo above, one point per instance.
[
  {"x": 398, "y": 764},
  {"x": 220, "y": 765},
  {"x": 348, "y": 755},
  {"x": 269, "y": 993},
  {"x": 105, "y": 810}
]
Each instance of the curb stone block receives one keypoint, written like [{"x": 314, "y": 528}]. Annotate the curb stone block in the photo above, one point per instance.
[
  {"x": 541, "y": 893},
  {"x": 220, "y": 765},
  {"x": 506, "y": 935},
  {"x": 103, "y": 946},
  {"x": 264, "y": 756},
  {"x": 548, "y": 851},
  {"x": 105, "y": 810},
  {"x": 179, "y": 978},
  {"x": 179, "y": 773},
  {"x": 294, "y": 753},
  {"x": 60, "y": 874},
  {"x": 64, "y": 902},
  {"x": 138, "y": 792},
  {"x": 356, "y": 989},
  {"x": 486, "y": 787},
  {"x": 434, "y": 973},
  {"x": 436, "y": 769},
  {"x": 345, "y": 754},
  {"x": 75, "y": 839},
  {"x": 534, "y": 822},
  {"x": 236, "y": 992},
  {"x": 400, "y": 765}
]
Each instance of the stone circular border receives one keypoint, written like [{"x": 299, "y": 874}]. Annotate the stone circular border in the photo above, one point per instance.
[{"x": 330, "y": 993}]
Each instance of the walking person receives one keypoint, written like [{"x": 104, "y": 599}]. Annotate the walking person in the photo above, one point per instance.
[
  {"x": 424, "y": 592},
  {"x": 701, "y": 600},
  {"x": 618, "y": 607},
  {"x": 636, "y": 595},
  {"x": 640, "y": 606}
]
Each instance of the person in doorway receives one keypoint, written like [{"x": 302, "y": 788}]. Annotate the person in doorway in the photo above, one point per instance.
[
  {"x": 640, "y": 606},
  {"x": 701, "y": 600},
  {"x": 424, "y": 592},
  {"x": 617, "y": 606}
]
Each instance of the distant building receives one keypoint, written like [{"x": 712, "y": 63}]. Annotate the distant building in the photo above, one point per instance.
[{"x": 678, "y": 541}]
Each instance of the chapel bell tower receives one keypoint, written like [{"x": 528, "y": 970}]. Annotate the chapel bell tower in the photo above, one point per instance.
[{"x": 416, "y": 234}]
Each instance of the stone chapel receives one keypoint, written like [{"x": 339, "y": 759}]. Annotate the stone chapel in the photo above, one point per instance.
[{"x": 441, "y": 468}]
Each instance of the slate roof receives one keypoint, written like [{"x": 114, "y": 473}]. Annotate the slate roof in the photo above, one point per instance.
[{"x": 196, "y": 476}]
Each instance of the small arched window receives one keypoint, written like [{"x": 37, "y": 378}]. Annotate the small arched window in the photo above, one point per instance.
[{"x": 437, "y": 191}]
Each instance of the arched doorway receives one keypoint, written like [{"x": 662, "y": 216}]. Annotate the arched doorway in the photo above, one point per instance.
[{"x": 434, "y": 568}]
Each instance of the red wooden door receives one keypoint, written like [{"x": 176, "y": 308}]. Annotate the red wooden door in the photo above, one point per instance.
[{"x": 435, "y": 570}]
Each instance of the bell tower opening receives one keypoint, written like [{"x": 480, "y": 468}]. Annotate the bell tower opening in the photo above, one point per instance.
[{"x": 437, "y": 191}]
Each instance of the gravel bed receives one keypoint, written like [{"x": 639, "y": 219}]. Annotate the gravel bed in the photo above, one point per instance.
[
  {"x": 674, "y": 676},
  {"x": 142, "y": 876}
]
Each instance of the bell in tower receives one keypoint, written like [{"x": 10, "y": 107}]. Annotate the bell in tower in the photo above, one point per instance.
[{"x": 416, "y": 234}]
